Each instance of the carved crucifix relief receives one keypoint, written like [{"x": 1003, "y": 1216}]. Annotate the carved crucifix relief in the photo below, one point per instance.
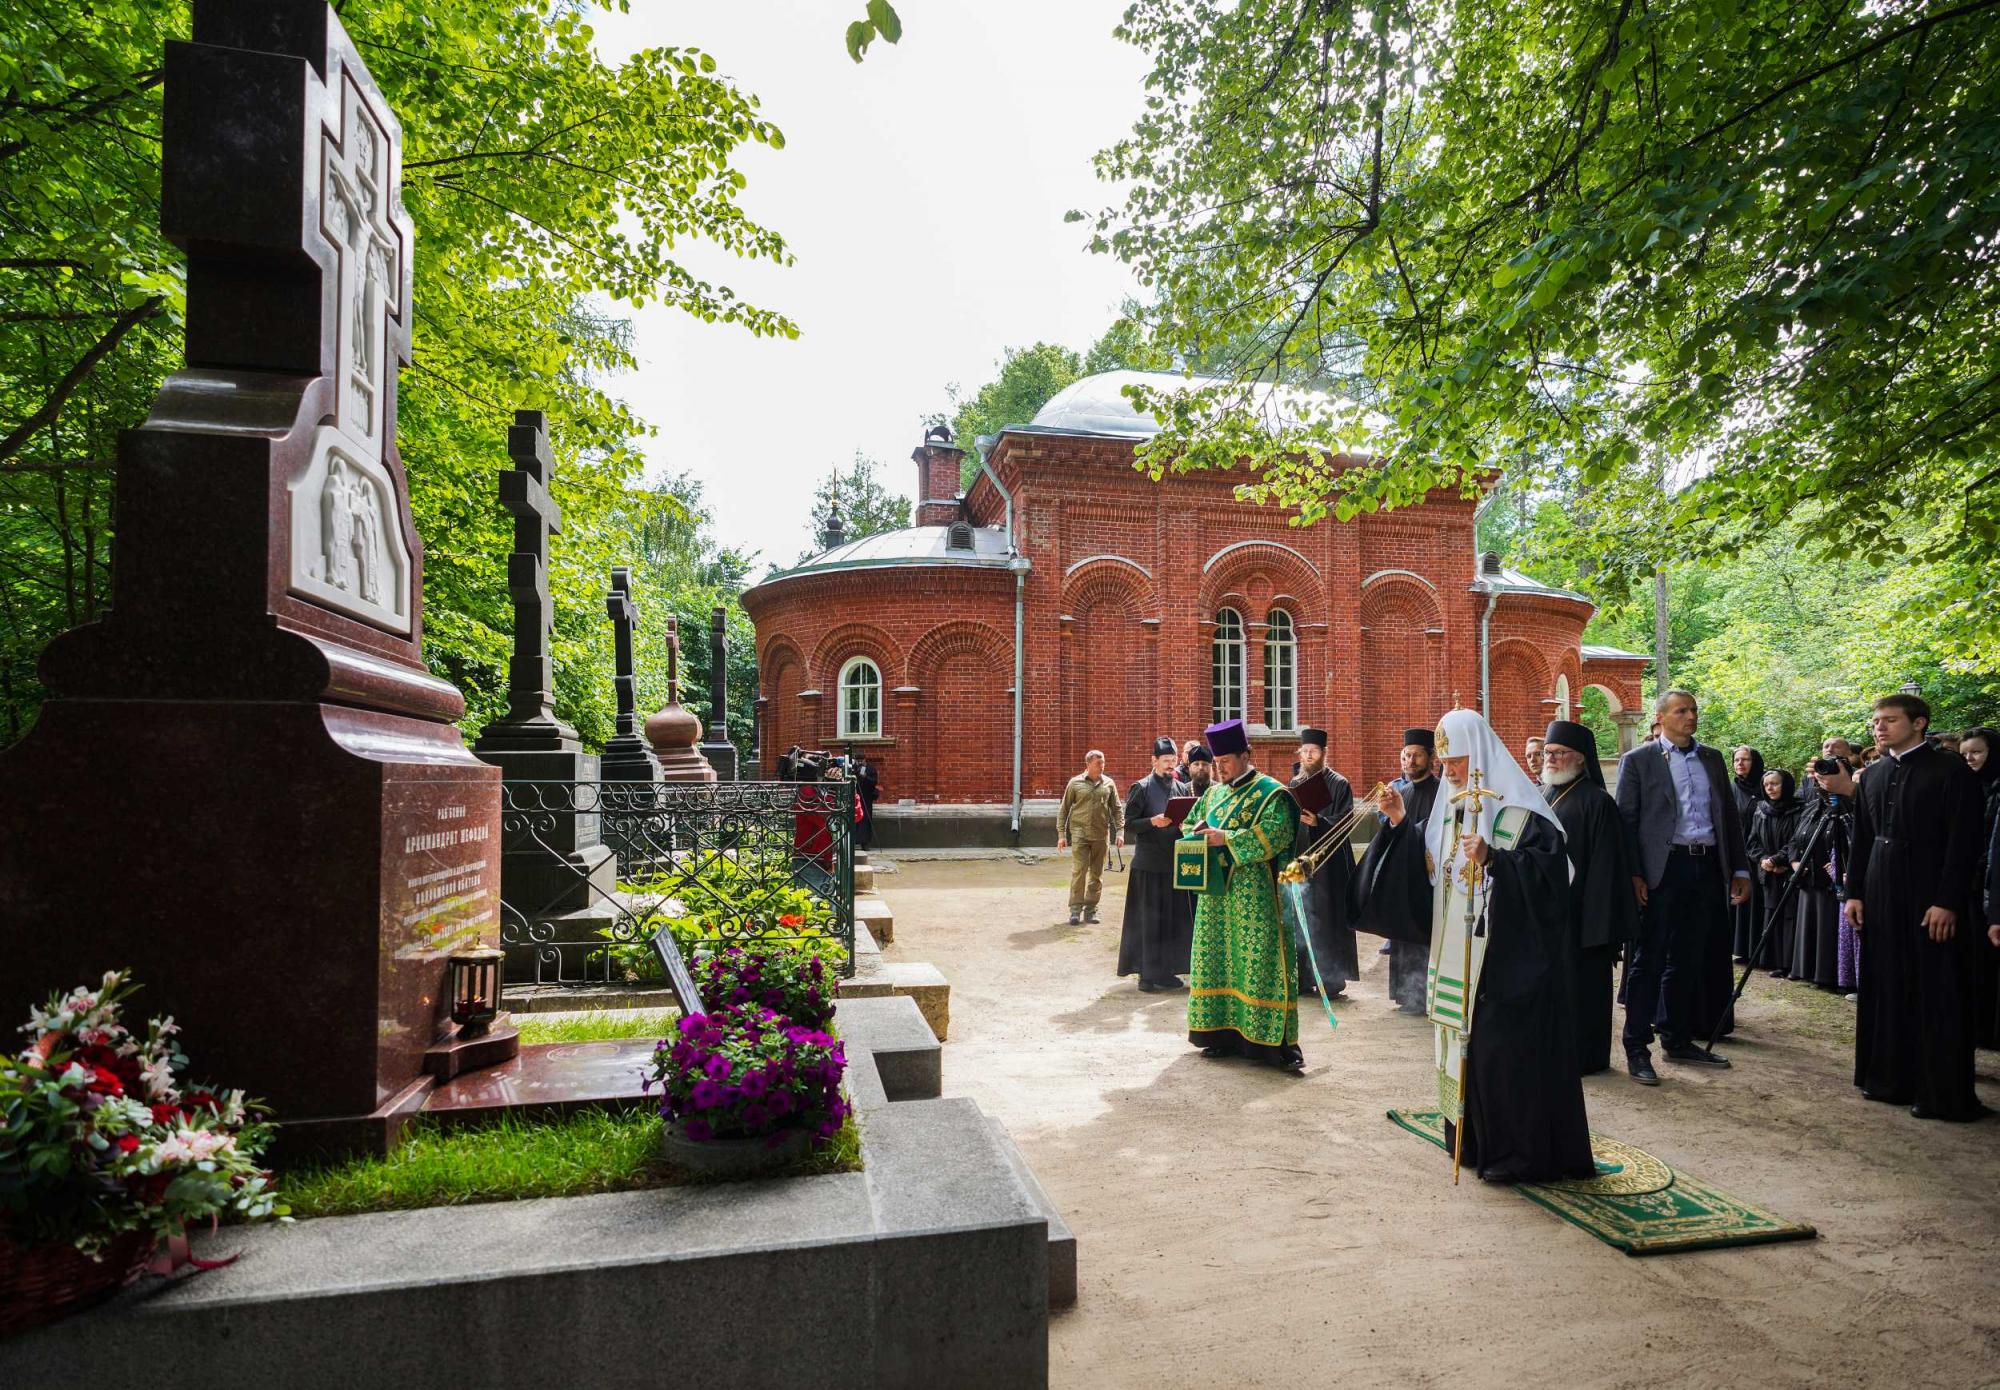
[{"x": 348, "y": 551}]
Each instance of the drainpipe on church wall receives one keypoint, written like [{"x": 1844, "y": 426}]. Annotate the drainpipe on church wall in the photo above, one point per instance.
[
  {"x": 1018, "y": 564},
  {"x": 1480, "y": 558}
]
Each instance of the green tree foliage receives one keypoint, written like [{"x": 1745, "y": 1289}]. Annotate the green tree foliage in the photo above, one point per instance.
[
  {"x": 1787, "y": 640},
  {"x": 864, "y": 503},
  {"x": 1745, "y": 246},
  {"x": 1028, "y": 377},
  {"x": 550, "y": 191}
]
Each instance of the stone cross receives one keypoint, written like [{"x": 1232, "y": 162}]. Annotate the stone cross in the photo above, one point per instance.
[
  {"x": 721, "y": 754},
  {"x": 624, "y": 613},
  {"x": 673, "y": 660},
  {"x": 266, "y": 625},
  {"x": 524, "y": 491},
  {"x": 626, "y": 758}
]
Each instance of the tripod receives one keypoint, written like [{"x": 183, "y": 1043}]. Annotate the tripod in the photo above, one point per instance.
[{"x": 1771, "y": 920}]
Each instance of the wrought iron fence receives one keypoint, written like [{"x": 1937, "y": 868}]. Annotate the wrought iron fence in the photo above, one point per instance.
[{"x": 595, "y": 872}]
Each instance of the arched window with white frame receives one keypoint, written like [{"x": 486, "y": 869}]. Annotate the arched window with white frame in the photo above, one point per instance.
[
  {"x": 860, "y": 699},
  {"x": 1226, "y": 662},
  {"x": 1281, "y": 667}
]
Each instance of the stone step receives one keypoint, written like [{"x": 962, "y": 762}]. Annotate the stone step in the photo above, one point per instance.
[
  {"x": 908, "y": 1058},
  {"x": 875, "y": 913},
  {"x": 926, "y": 984},
  {"x": 1062, "y": 1240},
  {"x": 864, "y": 878}
]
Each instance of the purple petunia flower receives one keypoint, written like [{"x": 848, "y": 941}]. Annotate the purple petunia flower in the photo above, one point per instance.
[
  {"x": 706, "y": 1095},
  {"x": 756, "y": 1083},
  {"x": 717, "y": 1068},
  {"x": 698, "y": 1130}
]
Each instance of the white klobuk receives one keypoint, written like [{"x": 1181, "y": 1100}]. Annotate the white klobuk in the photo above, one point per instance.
[{"x": 348, "y": 551}]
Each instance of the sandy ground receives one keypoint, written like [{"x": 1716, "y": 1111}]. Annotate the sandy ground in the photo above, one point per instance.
[{"x": 1238, "y": 1227}]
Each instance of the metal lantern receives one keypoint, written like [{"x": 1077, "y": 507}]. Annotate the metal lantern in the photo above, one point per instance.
[{"x": 475, "y": 989}]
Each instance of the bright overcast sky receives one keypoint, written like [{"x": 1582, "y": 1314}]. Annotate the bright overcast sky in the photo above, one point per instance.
[{"x": 922, "y": 192}]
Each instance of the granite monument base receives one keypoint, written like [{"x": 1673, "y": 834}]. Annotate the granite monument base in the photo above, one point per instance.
[{"x": 934, "y": 1266}]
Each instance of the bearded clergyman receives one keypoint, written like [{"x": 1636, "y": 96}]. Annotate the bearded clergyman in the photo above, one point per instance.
[
  {"x": 1505, "y": 1045},
  {"x": 1241, "y": 1000},
  {"x": 1603, "y": 911},
  {"x": 1332, "y": 946},
  {"x": 1391, "y": 892}
]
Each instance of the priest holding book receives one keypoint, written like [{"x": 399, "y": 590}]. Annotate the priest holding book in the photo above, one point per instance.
[
  {"x": 1239, "y": 834},
  {"x": 1159, "y": 923},
  {"x": 1326, "y": 804}
]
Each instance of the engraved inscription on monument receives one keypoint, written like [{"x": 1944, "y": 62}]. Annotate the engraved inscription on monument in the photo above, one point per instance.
[
  {"x": 449, "y": 887},
  {"x": 347, "y": 544}
]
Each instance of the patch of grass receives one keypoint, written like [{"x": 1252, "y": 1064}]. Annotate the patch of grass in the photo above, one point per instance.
[
  {"x": 1813, "y": 1012},
  {"x": 593, "y": 1151},
  {"x": 514, "y": 1159},
  {"x": 597, "y": 1025}
]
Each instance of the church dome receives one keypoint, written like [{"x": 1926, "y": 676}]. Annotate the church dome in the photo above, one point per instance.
[{"x": 1096, "y": 405}]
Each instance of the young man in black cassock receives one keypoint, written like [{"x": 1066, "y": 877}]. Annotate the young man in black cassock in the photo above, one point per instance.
[
  {"x": 1159, "y": 921},
  {"x": 1603, "y": 910},
  {"x": 1911, "y": 892},
  {"x": 1326, "y": 891},
  {"x": 1391, "y": 894}
]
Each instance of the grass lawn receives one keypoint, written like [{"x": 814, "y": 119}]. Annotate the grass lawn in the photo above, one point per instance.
[
  {"x": 597, "y": 1025},
  {"x": 593, "y": 1151}
]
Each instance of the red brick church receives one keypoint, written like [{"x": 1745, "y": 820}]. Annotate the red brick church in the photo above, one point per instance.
[{"x": 1131, "y": 608}]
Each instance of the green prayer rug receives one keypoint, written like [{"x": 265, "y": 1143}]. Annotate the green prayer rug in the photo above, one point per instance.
[{"x": 1637, "y": 1203}]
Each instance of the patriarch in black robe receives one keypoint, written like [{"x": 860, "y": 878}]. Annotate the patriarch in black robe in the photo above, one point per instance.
[
  {"x": 1158, "y": 930},
  {"x": 1326, "y": 892},
  {"x": 1603, "y": 911},
  {"x": 1390, "y": 893},
  {"x": 1912, "y": 892},
  {"x": 1500, "y": 934}
]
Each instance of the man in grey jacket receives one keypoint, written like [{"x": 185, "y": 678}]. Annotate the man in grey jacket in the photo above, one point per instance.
[{"x": 1674, "y": 795}]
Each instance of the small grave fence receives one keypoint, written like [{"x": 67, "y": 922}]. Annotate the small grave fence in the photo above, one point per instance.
[{"x": 709, "y": 864}]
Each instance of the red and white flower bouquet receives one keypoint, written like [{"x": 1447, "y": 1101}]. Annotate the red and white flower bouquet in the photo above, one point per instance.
[{"x": 107, "y": 1152}]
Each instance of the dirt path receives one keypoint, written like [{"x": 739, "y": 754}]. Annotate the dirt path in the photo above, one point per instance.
[{"x": 1237, "y": 1227}]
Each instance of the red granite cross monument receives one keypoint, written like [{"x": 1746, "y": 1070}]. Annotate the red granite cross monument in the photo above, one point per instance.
[{"x": 246, "y": 785}]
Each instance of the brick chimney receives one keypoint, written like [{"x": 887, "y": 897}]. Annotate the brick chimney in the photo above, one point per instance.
[{"x": 937, "y": 460}]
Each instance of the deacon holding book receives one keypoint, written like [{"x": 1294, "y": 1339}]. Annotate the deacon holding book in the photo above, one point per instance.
[
  {"x": 1603, "y": 910},
  {"x": 1240, "y": 832},
  {"x": 1391, "y": 895},
  {"x": 1159, "y": 923},
  {"x": 1325, "y": 801},
  {"x": 1499, "y": 988}
]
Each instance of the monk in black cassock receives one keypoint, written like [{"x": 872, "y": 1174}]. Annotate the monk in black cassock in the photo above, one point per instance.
[
  {"x": 1158, "y": 930},
  {"x": 1391, "y": 892},
  {"x": 1911, "y": 892},
  {"x": 1603, "y": 913},
  {"x": 1326, "y": 891}
]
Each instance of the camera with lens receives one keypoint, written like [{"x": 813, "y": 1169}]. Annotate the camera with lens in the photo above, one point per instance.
[
  {"x": 808, "y": 765},
  {"x": 1829, "y": 767}
]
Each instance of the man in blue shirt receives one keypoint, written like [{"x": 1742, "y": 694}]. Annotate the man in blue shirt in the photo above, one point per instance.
[{"x": 1674, "y": 794}]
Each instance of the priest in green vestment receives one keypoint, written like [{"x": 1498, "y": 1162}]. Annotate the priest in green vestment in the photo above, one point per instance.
[{"x": 1242, "y": 1000}]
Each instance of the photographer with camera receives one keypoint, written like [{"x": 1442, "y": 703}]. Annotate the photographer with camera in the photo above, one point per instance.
[
  {"x": 1824, "y": 835},
  {"x": 1911, "y": 890}
]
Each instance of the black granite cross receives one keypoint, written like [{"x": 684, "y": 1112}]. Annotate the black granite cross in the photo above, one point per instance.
[
  {"x": 626, "y": 757},
  {"x": 624, "y": 613},
  {"x": 524, "y": 492},
  {"x": 721, "y": 754}
]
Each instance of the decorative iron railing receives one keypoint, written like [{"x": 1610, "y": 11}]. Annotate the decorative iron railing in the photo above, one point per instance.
[{"x": 707, "y": 863}]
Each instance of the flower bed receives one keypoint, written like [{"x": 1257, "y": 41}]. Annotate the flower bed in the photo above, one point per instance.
[{"x": 749, "y": 1073}]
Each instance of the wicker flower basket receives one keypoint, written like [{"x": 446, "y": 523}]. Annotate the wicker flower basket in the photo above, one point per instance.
[{"x": 40, "y": 1283}]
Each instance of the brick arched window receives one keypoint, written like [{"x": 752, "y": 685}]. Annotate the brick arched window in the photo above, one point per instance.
[
  {"x": 1281, "y": 670},
  {"x": 860, "y": 699},
  {"x": 1226, "y": 664}
]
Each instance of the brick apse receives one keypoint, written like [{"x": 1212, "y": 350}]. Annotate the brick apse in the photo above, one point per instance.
[{"x": 1143, "y": 605}]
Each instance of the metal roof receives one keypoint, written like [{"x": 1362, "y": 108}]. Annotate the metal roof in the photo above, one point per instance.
[
  {"x": 1595, "y": 653},
  {"x": 913, "y": 545},
  {"x": 1096, "y": 405},
  {"x": 1512, "y": 581}
]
